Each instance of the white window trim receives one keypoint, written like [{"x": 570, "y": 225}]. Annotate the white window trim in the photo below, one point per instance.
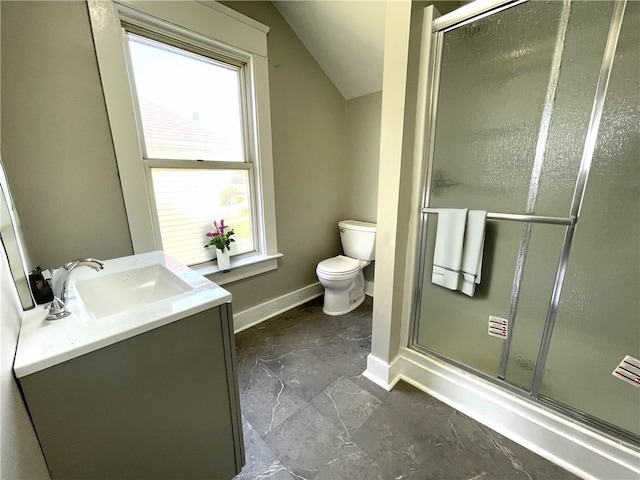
[{"x": 230, "y": 31}]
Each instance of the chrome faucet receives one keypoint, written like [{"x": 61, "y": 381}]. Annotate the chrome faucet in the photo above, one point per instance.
[{"x": 60, "y": 280}]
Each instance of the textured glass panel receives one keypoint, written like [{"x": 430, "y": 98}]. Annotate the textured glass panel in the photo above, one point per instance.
[
  {"x": 455, "y": 325},
  {"x": 584, "y": 45},
  {"x": 188, "y": 201},
  {"x": 494, "y": 78},
  {"x": 543, "y": 255},
  {"x": 598, "y": 320},
  {"x": 507, "y": 81},
  {"x": 189, "y": 104}
]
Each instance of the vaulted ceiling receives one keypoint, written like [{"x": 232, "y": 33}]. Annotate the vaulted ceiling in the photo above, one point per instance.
[{"x": 346, "y": 37}]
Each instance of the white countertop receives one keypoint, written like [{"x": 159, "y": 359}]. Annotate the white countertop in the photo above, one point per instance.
[{"x": 43, "y": 343}]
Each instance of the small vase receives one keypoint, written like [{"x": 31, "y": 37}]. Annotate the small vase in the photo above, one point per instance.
[{"x": 224, "y": 264}]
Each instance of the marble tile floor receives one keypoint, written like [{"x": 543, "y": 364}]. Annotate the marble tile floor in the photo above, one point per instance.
[{"x": 308, "y": 413}]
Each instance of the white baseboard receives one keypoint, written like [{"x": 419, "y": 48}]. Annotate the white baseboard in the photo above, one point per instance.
[
  {"x": 574, "y": 447},
  {"x": 379, "y": 373},
  {"x": 255, "y": 315}
]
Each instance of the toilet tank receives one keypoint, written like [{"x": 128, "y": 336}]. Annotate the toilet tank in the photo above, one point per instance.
[{"x": 358, "y": 239}]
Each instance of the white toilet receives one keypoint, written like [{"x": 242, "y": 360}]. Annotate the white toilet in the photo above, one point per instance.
[{"x": 342, "y": 276}]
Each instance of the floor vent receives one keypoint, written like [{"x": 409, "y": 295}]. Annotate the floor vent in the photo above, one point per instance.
[{"x": 628, "y": 370}]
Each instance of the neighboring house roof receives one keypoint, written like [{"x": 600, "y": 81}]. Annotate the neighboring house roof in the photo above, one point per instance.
[{"x": 163, "y": 126}]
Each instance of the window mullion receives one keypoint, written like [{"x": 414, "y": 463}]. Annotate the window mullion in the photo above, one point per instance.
[{"x": 196, "y": 164}]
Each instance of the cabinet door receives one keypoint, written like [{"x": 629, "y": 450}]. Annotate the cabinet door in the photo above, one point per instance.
[{"x": 156, "y": 405}]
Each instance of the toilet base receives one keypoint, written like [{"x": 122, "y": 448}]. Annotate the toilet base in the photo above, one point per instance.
[
  {"x": 352, "y": 306},
  {"x": 342, "y": 295}
]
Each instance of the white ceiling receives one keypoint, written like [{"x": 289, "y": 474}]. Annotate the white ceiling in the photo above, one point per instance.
[{"x": 345, "y": 37}]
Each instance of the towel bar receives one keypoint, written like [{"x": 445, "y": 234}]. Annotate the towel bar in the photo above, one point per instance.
[{"x": 515, "y": 217}]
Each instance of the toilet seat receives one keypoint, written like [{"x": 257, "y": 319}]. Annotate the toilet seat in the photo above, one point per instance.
[{"x": 339, "y": 266}]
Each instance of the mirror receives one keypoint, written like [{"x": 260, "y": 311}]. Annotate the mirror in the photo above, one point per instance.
[{"x": 11, "y": 241}]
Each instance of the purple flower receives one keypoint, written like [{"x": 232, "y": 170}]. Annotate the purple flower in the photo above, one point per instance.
[{"x": 219, "y": 238}]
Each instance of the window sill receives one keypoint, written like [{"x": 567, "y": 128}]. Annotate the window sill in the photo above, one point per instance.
[{"x": 244, "y": 267}]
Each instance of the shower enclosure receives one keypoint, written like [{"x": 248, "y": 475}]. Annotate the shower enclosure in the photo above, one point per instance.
[{"x": 535, "y": 118}]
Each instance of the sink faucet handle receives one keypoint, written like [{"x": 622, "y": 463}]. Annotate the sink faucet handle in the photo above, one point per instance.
[{"x": 57, "y": 310}]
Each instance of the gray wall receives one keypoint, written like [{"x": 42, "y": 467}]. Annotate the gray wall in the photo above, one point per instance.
[
  {"x": 363, "y": 151},
  {"x": 56, "y": 142},
  {"x": 61, "y": 166},
  {"x": 20, "y": 454}
]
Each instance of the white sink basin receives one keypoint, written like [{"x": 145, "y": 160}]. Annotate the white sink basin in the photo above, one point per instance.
[
  {"x": 130, "y": 296},
  {"x": 105, "y": 295}
]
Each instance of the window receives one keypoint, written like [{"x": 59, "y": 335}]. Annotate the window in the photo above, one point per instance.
[
  {"x": 186, "y": 89},
  {"x": 190, "y": 107}
]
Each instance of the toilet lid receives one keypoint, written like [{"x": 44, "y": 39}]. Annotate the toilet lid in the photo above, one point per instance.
[{"x": 339, "y": 264}]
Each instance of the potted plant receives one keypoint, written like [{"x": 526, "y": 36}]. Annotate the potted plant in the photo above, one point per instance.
[{"x": 222, "y": 241}]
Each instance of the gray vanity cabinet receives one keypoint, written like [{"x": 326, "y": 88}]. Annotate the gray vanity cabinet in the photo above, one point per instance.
[{"x": 162, "y": 404}]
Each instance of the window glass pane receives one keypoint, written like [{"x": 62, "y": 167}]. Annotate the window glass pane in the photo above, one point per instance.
[
  {"x": 190, "y": 104},
  {"x": 189, "y": 200}
]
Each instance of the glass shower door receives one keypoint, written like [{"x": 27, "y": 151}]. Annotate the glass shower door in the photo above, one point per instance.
[
  {"x": 598, "y": 318},
  {"x": 582, "y": 48},
  {"x": 509, "y": 84},
  {"x": 514, "y": 98}
]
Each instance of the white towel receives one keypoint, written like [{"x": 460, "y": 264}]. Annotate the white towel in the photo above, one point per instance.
[
  {"x": 447, "y": 255},
  {"x": 473, "y": 250}
]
